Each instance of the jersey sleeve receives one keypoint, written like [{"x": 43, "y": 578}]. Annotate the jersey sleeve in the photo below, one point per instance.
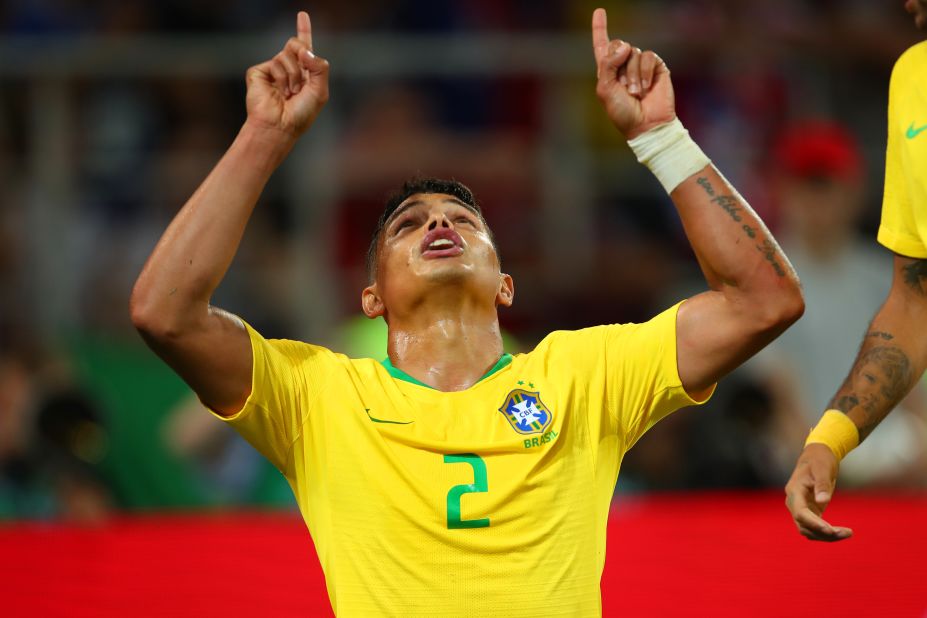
[
  {"x": 635, "y": 369},
  {"x": 286, "y": 376},
  {"x": 643, "y": 384},
  {"x": 898, "y": 229}
]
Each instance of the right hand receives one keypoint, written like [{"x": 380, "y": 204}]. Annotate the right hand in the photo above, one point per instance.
[
  {"x": 288, "y": 91},
  {"x": 809, "y": 491}
]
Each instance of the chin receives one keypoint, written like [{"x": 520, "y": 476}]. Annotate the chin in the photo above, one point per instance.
[{"x": 447, "y": 272}]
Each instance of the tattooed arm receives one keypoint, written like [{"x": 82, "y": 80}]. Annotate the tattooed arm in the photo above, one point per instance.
[
  {"x": 892, "y": 358},
  {"x": 754, "y": 292},
  {"x": 893, "y": 355}
]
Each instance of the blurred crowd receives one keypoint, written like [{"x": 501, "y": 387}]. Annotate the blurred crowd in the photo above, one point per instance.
[{"x": 787, "y": 97}]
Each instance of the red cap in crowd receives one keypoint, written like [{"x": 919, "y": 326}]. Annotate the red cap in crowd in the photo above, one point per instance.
[{"x": 818, "y": 149}]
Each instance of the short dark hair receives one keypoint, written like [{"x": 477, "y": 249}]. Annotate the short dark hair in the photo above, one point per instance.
[{"x": 419, "y": 184}]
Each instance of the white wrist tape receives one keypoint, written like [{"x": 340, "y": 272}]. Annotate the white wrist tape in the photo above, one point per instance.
[{"x": 669, "y": 152}]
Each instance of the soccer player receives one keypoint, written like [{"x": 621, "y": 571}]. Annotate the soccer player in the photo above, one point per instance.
[
  {"x": 893, "y": 354},
  {"x": 453, "y": 478}
]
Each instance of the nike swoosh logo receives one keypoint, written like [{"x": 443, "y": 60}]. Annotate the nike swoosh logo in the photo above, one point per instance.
[
  {"x": 911, "y": 133},
  {"x": 380, "y": 420}
]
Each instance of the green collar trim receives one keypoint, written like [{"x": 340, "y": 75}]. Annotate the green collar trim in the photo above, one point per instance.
[{"x": 399, "y": 374}]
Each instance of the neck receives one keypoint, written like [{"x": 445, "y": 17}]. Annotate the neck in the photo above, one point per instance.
[{"x": 447, "y": 348}]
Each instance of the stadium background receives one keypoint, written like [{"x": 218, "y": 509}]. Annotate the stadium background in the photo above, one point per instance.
[{"x": 113, "y": 482}]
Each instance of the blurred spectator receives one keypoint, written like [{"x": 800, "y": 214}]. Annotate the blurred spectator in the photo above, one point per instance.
[
  {"x": 729, "y": 443},
  {"x": 49, "y": 16},
  {"x": 228, "y": 471},
  {"x": 52, "y": 442},
  {"x": 820, "y": 190}
]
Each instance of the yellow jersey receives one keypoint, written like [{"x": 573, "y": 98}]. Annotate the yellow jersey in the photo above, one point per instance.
[
  {"x": 904, "y": 208},
  {"x": 491, "y": 501}
]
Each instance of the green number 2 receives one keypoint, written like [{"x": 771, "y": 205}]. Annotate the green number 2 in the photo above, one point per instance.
[{"x": 479, "y": 485}]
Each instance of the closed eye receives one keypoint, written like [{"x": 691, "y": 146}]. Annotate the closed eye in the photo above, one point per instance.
[{"x": 402, "y": 225}]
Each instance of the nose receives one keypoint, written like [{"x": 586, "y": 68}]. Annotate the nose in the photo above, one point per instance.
[{"x": 436, "y": 219}]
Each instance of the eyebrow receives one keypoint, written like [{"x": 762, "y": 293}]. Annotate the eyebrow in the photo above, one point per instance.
[{"x": 413, "y": 203}]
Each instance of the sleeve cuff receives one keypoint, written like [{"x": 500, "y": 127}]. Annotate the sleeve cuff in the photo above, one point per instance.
[
  {"x": 902, "y": 244},
  {"x": 257, "y": 368}
]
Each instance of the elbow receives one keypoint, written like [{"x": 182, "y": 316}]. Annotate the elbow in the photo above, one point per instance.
[
  {"x": 783, "y": 309},
  {"x": 794, "y": 304},
  {"x": 153, "y": 321},
  {"x": 144, "y": 314},
  {"x": 792, "y": 309}
]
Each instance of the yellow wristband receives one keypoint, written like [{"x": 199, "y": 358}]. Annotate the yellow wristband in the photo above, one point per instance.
[{"x": 837, "y": 431}]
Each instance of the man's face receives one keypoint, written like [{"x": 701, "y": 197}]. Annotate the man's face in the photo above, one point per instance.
[
  {"x": 917, "y": 8},
  {"x": 434, "y": 239},
  {"x": 821, "y": 209}
]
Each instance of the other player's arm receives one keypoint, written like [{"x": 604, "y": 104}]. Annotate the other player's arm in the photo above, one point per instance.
[
  {"x": 754, "y": 291},
  {"x": 207, "y": 347},
  {"x": 891, "y": 359}
]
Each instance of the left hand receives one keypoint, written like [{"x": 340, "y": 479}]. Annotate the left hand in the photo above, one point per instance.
[
  {"x": 809, "y": 491},
  {"x": 633, "y": 85}
]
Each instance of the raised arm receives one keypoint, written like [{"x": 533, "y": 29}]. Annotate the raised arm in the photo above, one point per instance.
[
  {"x": 891, "y": 359},
  {"x": 170, "y": 306},
  {"x": 754, "y": 292}
]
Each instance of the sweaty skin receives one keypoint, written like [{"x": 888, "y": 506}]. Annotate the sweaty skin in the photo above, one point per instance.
[
  {"x": 441, "y": 306},
  {"x": 442, "y": 312}
]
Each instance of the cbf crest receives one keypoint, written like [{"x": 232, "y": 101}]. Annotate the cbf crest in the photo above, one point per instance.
[{"x": 526, "y": 412}]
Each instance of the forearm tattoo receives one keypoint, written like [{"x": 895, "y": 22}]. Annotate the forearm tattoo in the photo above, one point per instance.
[
  {"x": 915, "y": 276},
  {"x": 731, "y": 205},
  {"x": 881, "y": 376}
]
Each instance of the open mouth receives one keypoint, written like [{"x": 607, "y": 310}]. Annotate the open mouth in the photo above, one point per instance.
[{"x": 441, "y": 243}]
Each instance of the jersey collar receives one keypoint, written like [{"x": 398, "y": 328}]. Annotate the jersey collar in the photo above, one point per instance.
[{"x": 399, "y": 374}]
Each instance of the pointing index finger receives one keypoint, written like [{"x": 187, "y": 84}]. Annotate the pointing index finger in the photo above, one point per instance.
[
  {"x": 599, "y": 34},
  {"x": 304, "y": 28}
]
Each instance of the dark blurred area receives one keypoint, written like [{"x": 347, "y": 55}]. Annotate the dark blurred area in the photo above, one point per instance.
[{"x": 111, "y": 113}]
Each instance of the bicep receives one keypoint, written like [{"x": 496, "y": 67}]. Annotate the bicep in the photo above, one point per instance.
[
  {"x": 902, "y": 316},
  {"x": 214, "y": 358},
  {"x": 715, "y": 333},
  {"x": 910, "y": 279}
]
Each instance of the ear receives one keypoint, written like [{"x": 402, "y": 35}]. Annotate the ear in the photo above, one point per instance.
[
  {"x": 506, "y": 293},
  {"x": 371, "y": 302}
]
